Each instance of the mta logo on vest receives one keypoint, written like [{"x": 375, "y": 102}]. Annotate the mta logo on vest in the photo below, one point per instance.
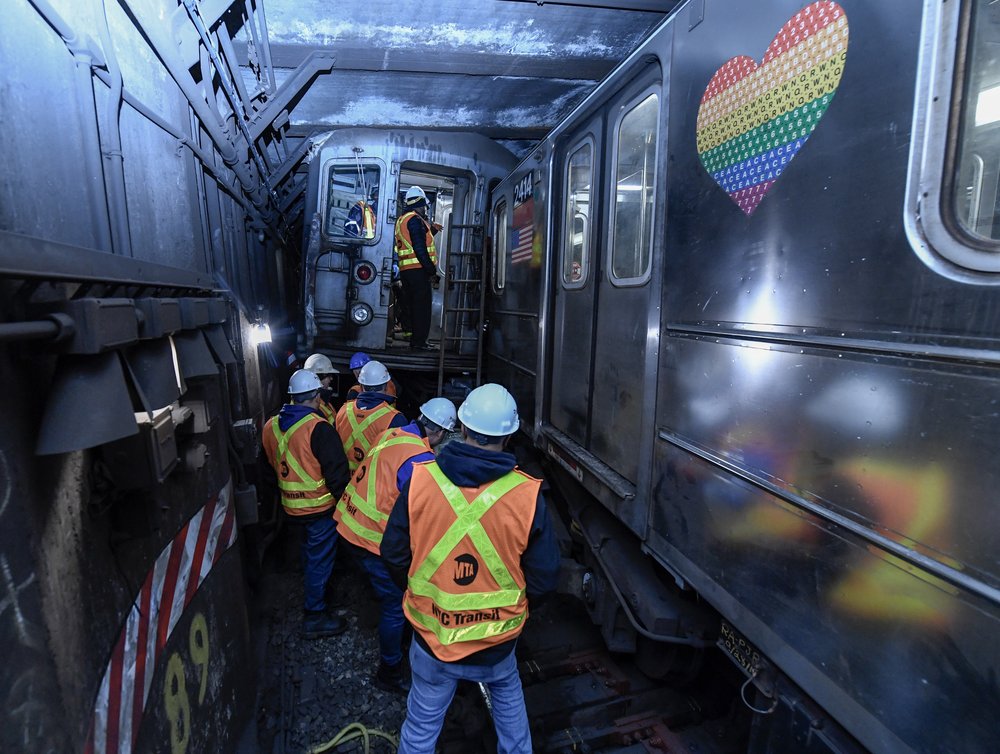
[{"x": 466, "y": 568}]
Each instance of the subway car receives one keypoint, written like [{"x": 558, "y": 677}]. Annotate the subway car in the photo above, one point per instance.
[
  {"x": 349, "y": 275},
  {"x": 747, "y": 297}
]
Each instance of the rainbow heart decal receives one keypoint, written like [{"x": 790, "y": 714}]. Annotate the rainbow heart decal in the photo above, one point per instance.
[{"x": 754, "y": 119}]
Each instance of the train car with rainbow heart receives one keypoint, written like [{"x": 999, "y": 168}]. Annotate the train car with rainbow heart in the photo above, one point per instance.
[{"x": 747, "y": 295}]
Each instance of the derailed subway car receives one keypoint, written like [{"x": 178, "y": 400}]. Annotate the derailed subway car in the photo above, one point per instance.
[
  {"x": 763, "y": 261},
  {"x": 349, "y": 300},
  {"x": 133, "y": 276}
]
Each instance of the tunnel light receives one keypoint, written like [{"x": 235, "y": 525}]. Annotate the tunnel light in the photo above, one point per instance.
[
  {"x": 260, "y": 334},
  {"x": 988, "y": 106}
]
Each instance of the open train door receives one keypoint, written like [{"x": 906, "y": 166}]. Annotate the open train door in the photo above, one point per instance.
[{"x": 606, "y": 288}]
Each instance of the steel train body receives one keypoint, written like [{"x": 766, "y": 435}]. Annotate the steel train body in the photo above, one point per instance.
[
  {"x": 347, "y": 291},
  {"x": 133, "y": 275},
  {"x": 747, "y": 298}
]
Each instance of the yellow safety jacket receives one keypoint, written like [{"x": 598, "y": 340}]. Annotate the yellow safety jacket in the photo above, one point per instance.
[
  {"x": 466, "y": 589},
  {"x": 300, "y": 479},
  {"x": 404, "y": 244},
  {"x": 365, "y": 506},
  {"x": 329, "y": 413},
  {"x": 368, "y": 220},
  {"x": 359, "y": 429}
]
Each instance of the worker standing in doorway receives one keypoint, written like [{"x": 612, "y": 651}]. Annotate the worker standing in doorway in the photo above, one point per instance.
[
  {"x": 417, "y": 264},
  {"x": 471, "y": 540},
  {"x": 361, "y": 422},
  {"x": 365, "y": 507},
  {"x": 312, "y": 473}
]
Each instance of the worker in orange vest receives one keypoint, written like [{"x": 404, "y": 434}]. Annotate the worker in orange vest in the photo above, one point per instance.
[
  {"x": 365, "y": 507},
  {"x": 471, "y": 539},
  {"x": 312, "y": 473},
  {"x": 361, "y": 422}
]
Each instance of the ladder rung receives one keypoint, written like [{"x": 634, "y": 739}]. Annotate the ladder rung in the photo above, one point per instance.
[
  {"x": 465, "y": 253},
  {"x": 465, "y": 280},
  {"x": 449, "y": 310}
]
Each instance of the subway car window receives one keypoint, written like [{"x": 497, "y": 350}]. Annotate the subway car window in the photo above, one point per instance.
[
  {"x": 635, "y": 173},
  {"x": 576, "y": 216},
  {"x": 976, "y": 199},
  {"x": 352, "y": 201},
  {"x": 500, "y": 248}
]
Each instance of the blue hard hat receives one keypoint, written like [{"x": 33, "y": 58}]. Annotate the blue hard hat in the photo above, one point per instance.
[{"x": 359, "y": 359}]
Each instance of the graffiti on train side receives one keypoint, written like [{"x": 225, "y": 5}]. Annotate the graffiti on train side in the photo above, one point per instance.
[
  {"x": 31, "y": 694},
  {"x": 177, "y": 698}
]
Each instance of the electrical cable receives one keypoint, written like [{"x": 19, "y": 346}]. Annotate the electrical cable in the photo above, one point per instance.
[{"x": 353, "y": 732}]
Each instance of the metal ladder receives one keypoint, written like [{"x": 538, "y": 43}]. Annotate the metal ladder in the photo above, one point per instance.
[{"x": 462, "y": 313}]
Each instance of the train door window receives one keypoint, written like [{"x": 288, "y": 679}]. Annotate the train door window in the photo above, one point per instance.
[
  {"x": 500, "y": 246},
  {"x": 352, "y": 201},
  {"x": 634, "y": 168},
  {"x": 974, "y": 194},
  {"x": 953, "y": 203},
  {"x": 576, "y": 216}
]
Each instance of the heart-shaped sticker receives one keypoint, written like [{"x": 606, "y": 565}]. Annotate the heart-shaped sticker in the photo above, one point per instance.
[{"x": 754, "y": 119}]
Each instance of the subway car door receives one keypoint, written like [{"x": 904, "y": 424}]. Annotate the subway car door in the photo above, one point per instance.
[
  {"x": 575, "y": 274},
  {"x": 627, "y": 326}
]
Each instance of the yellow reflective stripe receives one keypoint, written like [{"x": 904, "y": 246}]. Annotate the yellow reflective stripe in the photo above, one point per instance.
[
  {"x": 362, "y": 531},
  {"x": 469, "y": 601},
  {"x": 370, "y": 509},
  {"x": 473, "y": 632},
  {"x": 467, "y": 523},
  {"x": 307, "y": 502},
  {"x": 357, "y": 430},
  {"x": 308, "y": 483}
]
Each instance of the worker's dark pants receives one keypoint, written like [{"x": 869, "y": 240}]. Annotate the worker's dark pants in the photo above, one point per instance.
[{"x": 417, "y": 301}]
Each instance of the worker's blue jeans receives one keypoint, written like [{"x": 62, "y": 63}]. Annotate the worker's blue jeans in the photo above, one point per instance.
[
  {"x": 319, "y": 546},
  {"x": 391, "y": 619},
  {"x": 433, "y": 687}
]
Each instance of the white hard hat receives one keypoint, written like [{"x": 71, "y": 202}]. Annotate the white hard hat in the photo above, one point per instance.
[
  {"x": 490, "y": 410},
  {"x": 415, "y": 194},
  {"x": 303, "y": 381},
  {"x": 373, "y": 373},
  {"x": 441, "y": 411},
  {"x": 320, "y": 363}
]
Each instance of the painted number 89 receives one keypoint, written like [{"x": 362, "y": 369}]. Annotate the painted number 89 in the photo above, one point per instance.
[{"x": 176, "y": 700}]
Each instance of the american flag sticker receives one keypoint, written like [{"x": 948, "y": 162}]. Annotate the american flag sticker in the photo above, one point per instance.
[{"x": 524, "y": 232}]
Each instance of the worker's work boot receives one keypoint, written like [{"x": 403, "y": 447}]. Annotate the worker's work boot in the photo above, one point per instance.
[
  {"x": 393, "y": 678},
  {"x": 320, "y": 625}
]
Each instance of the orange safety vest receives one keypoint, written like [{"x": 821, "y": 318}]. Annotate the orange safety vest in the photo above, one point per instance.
[
  {"x": 360, "y": 429},
  {"x": 404, "y": 244},
  {"x": 367, "y": 502},
  {"x": 300, "y": 479},
  {"x": 329, "y": 413},
  {"x": 466, "y": 589}
]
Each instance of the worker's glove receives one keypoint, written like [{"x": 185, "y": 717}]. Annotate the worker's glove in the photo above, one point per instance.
[{"x": 436, "y": 227}]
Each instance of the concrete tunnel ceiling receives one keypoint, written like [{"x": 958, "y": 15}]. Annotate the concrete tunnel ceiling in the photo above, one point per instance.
[{"x": 504, "y": 68}]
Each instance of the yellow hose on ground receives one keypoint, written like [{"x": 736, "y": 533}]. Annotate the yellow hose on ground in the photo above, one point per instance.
[{"x": 353, "y": 732}]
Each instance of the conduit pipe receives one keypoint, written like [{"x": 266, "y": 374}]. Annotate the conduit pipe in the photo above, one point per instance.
[
  {"x": 214, "y": 126},
  {"x": 85, "y": 58},
  {"x": 203, "y": 157},
  {"x": 113, "y": 158}
]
